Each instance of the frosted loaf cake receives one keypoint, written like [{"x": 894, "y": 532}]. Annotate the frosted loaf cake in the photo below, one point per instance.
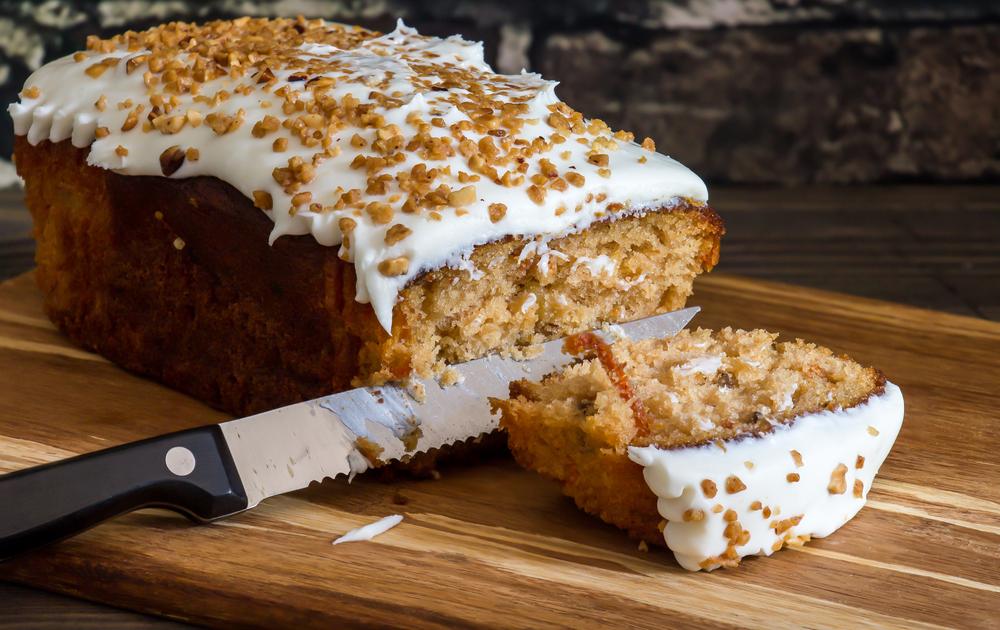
[{"x": 261, "y": 211}]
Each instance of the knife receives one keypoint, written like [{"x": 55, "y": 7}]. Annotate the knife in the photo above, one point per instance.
[{"x": 214, "y": 471}]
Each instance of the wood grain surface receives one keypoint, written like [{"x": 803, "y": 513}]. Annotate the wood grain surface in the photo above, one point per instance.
[{"x": 492, "y": 545}]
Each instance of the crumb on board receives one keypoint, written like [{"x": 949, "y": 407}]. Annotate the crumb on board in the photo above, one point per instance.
[{"x": 371, "y": 530}]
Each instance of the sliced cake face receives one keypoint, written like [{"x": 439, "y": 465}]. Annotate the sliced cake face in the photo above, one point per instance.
[
  {"x": 403, "y": 151},
  {"x": 741, "y": 443}
]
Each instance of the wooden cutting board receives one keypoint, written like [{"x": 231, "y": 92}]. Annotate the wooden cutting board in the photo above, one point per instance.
[{"x": 496, "y": 546}]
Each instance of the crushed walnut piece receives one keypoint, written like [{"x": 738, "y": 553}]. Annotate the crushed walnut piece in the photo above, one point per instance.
[
  {"x": 734, "y": 484},
  {"x": 397, "y": 233},
  {"x": 394, "y": 266},
  {"x": 797, "y": 458},
  {"x": 171, "y": 160},
  {"x": 838, "y": 483},
  {"x": 708, "y": 488}
]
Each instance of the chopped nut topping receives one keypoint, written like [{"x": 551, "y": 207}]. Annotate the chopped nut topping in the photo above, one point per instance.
[
  {"x": 302, "y": 198},
  {"x": 192, "y": 154},
  {"x": 708, "y": 488},
  {"x": 859, "y": 489},
  {"x": 872, "y": 431},
  {"x": 462, "y": 197},
  {"x": 171, "y": 159},
  {"x": 262, "y": 199},
  {"x": 792, "y": 477},
  {"x": 394, "y": 266},
  {"x": 133, "y": 118},
  {"x": 269, "y": 124},
  {"x": 497, "y": 212},
  {"x": 102, "y": 132},
  {"x": 693, "y": 516},
  {"x": 838, "y": 484},
  {"x": 121, "y": 151},
  {"x": 859, "y": 463},
  {"x": 734, "y": 484},
  {"x": 797, "y": 458},
  {"x": 783, "y": 526},
  {"x": 396, "y": 233},
  {"x": 380, "y": 213},
  {"x": 536, "y": 193},
  {"x": 347, "y": 225},
  {"x": 97, "y": 69},
  {"x": 648, "y": 144},
  {"x": 598, "y": 159}
]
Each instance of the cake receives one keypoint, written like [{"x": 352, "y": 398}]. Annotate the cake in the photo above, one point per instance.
[
  {"x": 718, "y": 444},
  {"x": 261, "y": 211}
]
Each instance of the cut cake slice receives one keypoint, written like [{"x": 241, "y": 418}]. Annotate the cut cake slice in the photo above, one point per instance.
[{"x": 718, "y": 444}]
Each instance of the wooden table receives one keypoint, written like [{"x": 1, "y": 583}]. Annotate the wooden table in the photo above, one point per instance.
[{"x": 937, "y": 247}]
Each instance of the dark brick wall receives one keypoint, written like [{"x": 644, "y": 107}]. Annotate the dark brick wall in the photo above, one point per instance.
[{"x": 759, "y": 91}]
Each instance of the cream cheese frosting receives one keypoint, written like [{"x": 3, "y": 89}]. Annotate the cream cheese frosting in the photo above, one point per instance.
[
  {"x": 404, "y": 150},
  {"x": 752, "y": 495}
]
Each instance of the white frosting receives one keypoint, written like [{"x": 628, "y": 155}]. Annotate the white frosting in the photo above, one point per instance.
[
  {"x": 708, "y": 364},
  {"x": 596, "y": 265},
  {"x": 528, "y": 303},
  {"x": 371, "y": 530},
  {"x": 628, "y": 284},
  {"x": 823, "y": 441},
  {"x": 639, "y": 179}
]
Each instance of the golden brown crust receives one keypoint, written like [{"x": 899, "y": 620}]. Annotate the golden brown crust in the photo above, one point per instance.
[{"x": 174, "y": 279}]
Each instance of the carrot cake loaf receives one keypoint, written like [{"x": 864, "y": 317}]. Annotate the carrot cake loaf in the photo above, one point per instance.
[
  {"x": 262, "y": 211},
  {"x": 718, "y": 444}
]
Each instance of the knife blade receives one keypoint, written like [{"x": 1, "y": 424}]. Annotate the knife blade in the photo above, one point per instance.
[{"x": 219, "y": 470}]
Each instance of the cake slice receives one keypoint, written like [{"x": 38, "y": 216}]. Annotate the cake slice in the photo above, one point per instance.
[
  {"x": 718, "y": 444},
  {"x": 262, "y": 211}
]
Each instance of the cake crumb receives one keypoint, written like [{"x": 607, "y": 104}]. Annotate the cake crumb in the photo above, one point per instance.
[
  {"x": 369, "y": 450},
  {"x": 417, "y": 390},
  {"x": 450, "y": 377}
]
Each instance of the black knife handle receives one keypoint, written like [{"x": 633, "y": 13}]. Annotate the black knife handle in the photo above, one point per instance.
[{"x": 191, "y": 472}]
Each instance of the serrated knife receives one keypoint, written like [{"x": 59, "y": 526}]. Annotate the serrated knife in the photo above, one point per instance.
[{"x": 219, "y": 470}]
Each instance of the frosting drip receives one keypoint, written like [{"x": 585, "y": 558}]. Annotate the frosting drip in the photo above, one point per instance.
[{"x": 406, "y": 151}]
